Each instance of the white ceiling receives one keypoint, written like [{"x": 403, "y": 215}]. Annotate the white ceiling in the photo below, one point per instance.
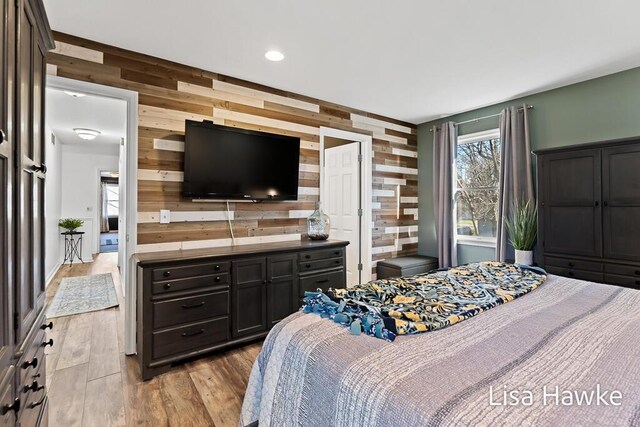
[
  {"x": 106, "y": 115},
  {"x": 413, "y": 60}
]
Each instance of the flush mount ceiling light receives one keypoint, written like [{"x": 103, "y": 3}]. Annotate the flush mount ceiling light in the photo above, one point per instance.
[
  {"x": 274, "y": 55},
  {"x": 75, "y": 94},
  {"x": 88, "y": 134}
]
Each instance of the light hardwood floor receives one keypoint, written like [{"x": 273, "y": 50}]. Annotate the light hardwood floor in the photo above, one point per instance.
[{"x": 92, "y": 383}]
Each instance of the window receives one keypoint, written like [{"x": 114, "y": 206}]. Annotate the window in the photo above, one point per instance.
[
  {"x": 476, "y": 187},
  {"x": 113, "y": 199}
]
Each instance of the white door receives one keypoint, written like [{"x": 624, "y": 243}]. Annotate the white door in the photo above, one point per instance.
[{"x": 341, "y": 197}]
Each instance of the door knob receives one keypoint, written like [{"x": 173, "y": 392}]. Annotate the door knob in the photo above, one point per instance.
[
  {"x": 32, "y": 364},
  {"x": 3, "y": 136},
  {"x": 46, "y": 343},
  {"x": 47, "y": 326},
  {"x": 15, "y": 407},
  {"x": 33, "y": 387},
  {"x": 42, "y": 168}
]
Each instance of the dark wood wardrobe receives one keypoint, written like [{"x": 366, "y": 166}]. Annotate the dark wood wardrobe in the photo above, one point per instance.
[
  {"x": 589, "y": 211},
  {"x": 26, "y": 37}
]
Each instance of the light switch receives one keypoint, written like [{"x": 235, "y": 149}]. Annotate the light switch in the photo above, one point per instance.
[{"x": 165, "y": 216}]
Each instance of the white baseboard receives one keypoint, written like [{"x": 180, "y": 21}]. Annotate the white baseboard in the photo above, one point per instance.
[
  {"x": 75, "y": 261},
  {"x": 53, "y": 273}
]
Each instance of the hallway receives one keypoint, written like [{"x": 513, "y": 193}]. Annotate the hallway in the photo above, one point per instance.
[{"x": 92, "y": 383}]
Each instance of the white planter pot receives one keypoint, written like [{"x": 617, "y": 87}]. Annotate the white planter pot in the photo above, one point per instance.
[{"x": 524, "y": 257}]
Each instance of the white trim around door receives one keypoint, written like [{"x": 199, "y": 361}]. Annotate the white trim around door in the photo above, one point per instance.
[
  {"x": 130, "y": 199},
  {"x": 366, "y": 177}
]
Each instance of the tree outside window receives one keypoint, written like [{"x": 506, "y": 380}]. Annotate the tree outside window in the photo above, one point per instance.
[{"x": 476, "y": 187}]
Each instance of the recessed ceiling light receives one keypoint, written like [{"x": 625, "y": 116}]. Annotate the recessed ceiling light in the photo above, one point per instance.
[
  {"x": 274, "y": 55},
  {"x": 75, "y": 94},
  {"x": 87, "y": 134}
]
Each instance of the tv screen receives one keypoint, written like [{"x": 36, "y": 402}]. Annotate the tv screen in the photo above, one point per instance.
[{"x": 222, "y": 162}]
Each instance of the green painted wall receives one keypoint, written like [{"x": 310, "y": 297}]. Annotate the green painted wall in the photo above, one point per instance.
[{"x": 595, "y": 110}]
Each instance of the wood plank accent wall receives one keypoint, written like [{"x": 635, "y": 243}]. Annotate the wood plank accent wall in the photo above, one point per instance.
[{"x": 169, "y": 93}]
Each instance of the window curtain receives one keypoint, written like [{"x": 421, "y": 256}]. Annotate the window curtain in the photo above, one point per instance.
[
  {"x": 444, "y": 149},
  {"x": 104, "y": 214},
  {"x": 516, "y": 179}
]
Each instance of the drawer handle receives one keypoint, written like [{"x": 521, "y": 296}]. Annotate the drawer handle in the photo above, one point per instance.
[
  {"x": 15, "y": 407},
  {"x": 338, "y": 261},
  {"x": 200, "y": 304},
  {"x": 33, "y": 387},
  {"x": 637, "y": 272},
  {"x": 192, "y": 334},
  {"x": 32, "y": 364},
  {"x": 308, "y": 266},
  {"x": 47, "y": 326},
  {"x": 39, "y": 402},
  {"x": 571, "y": 274},
  {"x": 307, "y": 256},
  {"x": 570, "y": 264},
  {"x": 217, "y": 267},
  {"x": 217, "y": 279},
  {"x": 166, "y": 274},
  {"x": 337, "y": 253},
  {"x": 46, "y": 343},
  {"x": 167, "y": 286},
  {"x": 322, "y": 281}
]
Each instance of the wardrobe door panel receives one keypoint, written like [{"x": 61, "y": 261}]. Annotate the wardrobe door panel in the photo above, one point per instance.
[
  {"x": 571, "y": 203},
  {"x": 621, "y": 202},
  {"x": 7, "y": 79},
  {"x": 30, "y": 170}
]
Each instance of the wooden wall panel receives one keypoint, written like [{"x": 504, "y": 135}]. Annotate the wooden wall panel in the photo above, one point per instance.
[{"x": 169, "y": 93}]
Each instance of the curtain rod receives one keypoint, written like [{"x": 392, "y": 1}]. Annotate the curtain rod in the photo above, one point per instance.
[{"x": 529, "y": 107}]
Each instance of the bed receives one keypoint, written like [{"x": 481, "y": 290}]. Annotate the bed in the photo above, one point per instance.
[{"x": 568, "y": 353}]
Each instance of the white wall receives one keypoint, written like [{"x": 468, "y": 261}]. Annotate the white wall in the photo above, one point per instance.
[
  {"x": 81, "y": 166},
  {"x": 52, "y": 205}
]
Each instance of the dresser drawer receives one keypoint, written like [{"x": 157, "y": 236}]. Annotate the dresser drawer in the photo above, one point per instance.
[
  {"x": 323, "y": 254},
  {"x": 190, "y": 283},
  {"x": 182, "y": 271},
  {"x": 6, "y": 396},
  {"x": 626, "y": 281},
  {"x": 324, "y": 264},
  {"x": 191, "y": 309},
  {"x": 33, "y": 360},
  {"x": 590, "y": 276},
  {"x": 192, "y": 337},
  {"x": 33, "y": 403},
  {"x": 624, "y": 270},
  {"x": 324, "y": 281},
  {"x": 573, "y": 264}
]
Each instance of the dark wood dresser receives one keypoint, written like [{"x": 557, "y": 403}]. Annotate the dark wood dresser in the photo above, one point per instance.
[
  {"x": 589, "y": 211},
  {"x": 195, "y": 301}
]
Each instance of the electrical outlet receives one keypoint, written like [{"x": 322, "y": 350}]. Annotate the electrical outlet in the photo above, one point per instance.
[{"x": 165, "y": 216}]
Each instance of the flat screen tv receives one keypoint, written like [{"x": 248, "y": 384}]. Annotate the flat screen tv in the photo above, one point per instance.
[{"x": 222, "y": 162}]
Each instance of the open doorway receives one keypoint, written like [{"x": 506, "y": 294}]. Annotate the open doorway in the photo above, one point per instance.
[
  {"x": 109, "y": 211},
  {"x": 92, "y": 155},
  {"x": 345, "y": 194}
]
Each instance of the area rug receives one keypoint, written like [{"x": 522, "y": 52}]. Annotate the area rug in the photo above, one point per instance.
[{"x": 83, "y": 294}]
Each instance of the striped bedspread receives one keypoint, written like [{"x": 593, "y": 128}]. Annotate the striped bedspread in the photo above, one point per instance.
[{"x": 566, "y": 354}]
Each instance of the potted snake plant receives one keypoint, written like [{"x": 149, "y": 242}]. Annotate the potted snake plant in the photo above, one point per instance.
[{"x": 522, "y": 227}]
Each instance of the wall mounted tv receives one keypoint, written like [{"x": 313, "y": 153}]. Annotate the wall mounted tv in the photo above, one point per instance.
[{"x": 227, "y": 163}]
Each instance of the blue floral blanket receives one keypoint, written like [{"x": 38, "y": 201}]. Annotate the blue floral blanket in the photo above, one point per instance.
[{"x": 425, "y": 302}]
